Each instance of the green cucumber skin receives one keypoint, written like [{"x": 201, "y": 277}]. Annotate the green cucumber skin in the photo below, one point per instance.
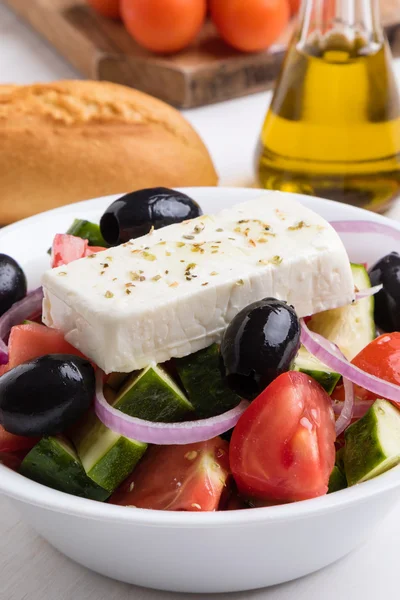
[
  {"x": 117, "y": 463},
  {"x": 47, "y": 463},
  {"x": 151, "y": 399},
  {"x": 337, "y": 480},
  {"x": 118, "y": 458},
  {"x": 326, "y": 379},
  {"x": 339, "y": 462},
  {"x": 201, "y": 378},
  {"x": 87, "y": 231},
  {"x": 361, "y": 448},
  {"x": 146, "y": 396},
  {"x": 364, "y": 453}
]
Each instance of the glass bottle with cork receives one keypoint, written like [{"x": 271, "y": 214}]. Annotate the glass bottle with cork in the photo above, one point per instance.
[{"x": 333, "y": 127}]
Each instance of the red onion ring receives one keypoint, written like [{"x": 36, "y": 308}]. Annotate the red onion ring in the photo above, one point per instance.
[
  {"x": 28, "y": 307},
  {"x": 163, "y": 434},
  {"x": 365, "y": 227},
  {"x": 347, "y": 408},
  {"x": 347, "y": 412},
  {"x": 359, "y": 409},
  {"x": 327, "y": 353}
]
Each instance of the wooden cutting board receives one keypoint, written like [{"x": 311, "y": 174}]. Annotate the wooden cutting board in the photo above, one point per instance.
[{"x": 207, "y": 72}]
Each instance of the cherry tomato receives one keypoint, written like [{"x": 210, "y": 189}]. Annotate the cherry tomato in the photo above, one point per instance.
[
  {"x": 294, "y": 6},
  {"x": 283, "y": 447},
  {"x": 191, "y": 477},
  {"x": 107, "y": 8},
  {"x": 380, "y": 358},
  {"x": 163, "y": 26},
  {"x": 250, "y": 25}
]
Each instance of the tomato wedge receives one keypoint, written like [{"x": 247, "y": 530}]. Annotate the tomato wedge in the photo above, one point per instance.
[
  {"x": 32, "y": 340},
  {"x": 380, "y": 358},
  {"x": 13, "y": 443},
  {"x": 191, "y": 477},
  {"x": 283, "y": 447},
  {"x": 67, "y": 248}
]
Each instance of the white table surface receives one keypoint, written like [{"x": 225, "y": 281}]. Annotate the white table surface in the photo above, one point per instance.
[{"x": 30, "y": 569}]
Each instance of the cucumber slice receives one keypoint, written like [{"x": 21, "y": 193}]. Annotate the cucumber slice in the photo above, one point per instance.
[
  {"x": 54, "y": 463},
  {"x": 337, "y": 480},
  {"x": 351, "y": 327},
  {"x": 372, "y": 443},
  {"x": 201, "y": 378},
  {"x": 307, "y": 363},
  {"x": 88, "y": 231},
  {"x": 108, "y": 458},
  {"x": 339, "y": 462},
  {"x": 153, "y": 395}
]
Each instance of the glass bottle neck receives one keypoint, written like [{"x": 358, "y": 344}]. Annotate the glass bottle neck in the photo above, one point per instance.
[{"x": 329, "y": 23}]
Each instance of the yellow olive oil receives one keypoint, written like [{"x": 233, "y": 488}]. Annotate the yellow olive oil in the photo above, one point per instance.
[{"x": 333, "y": 127}]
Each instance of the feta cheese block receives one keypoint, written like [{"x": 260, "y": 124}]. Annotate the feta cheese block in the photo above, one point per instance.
[{"x": 174, "y": 291}]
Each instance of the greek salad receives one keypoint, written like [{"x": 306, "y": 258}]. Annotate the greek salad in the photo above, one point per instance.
[{"x": 180, "y": 361}]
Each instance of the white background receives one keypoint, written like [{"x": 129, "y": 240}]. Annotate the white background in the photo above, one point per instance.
[{"x": 30, "y": 569}]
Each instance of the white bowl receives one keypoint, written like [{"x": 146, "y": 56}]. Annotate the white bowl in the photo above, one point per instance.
[{"x": 198, "y": 552}]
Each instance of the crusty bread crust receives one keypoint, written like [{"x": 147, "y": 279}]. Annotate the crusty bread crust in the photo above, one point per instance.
[{"x": 71, "y": 140}]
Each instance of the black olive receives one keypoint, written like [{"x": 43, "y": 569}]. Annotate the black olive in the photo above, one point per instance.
[
  {"x": 12, "y": 283},
  {"x": 136, "y": 213},
  {"x": 259, "y": 344},
  {"x": 387, "y": 302},
  {"x": 46, "y": 395}
]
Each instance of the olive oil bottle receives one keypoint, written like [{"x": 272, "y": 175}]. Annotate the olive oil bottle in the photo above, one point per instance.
[{"x": 333, "y": 127}]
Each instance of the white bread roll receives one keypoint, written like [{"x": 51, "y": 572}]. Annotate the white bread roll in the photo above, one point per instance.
[{"x": 71, "y": 140}]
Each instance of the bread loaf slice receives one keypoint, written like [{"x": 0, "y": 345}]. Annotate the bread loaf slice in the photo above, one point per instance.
[{"x": 72, "y": 140}]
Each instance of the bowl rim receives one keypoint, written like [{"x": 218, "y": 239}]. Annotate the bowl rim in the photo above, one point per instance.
[{"x": 14, "y": 485}]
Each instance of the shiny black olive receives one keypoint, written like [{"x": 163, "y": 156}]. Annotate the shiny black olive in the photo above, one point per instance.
[
  {"x": 46, "y": 395},
  {"x": 135, "y": 214},
  {"x": 12, "y": 283},
  {"x": 259, "y": 344},
  {"x": 387, "y": 302}
]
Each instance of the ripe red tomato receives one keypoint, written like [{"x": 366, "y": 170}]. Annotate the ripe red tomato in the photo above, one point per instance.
[
  {"x": 380, "y": 358},
  {"x": 190, "y": 477},
  {"x": 294, "y": 6},
  {"x": 32, "y": 340},
  {"x": 163, "y": 26},
  {"x": 250, "y": 25},
  {"x": 67, "y": 248},
  {"x": 107, "y": 8},
  {"x": 12, "y": 443},
  {"x": 283, "y": 447}
]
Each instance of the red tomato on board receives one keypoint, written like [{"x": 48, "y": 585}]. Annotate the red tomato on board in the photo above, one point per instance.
[
  {"x": 106, "y": 8},
  {"x": 191, "y": 477},
  {"x": 294, "y": 6},
  {"x": 163, "y": 26},
  {"x": 283, "y": 447},
  {"x": 67, "y": 248},
  {"x": 380, "y": 358},
  {"x": 250, "y": 25}
]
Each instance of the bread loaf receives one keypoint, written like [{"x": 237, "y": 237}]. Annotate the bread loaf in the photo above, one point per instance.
[{"x": 72, "y": 140}]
